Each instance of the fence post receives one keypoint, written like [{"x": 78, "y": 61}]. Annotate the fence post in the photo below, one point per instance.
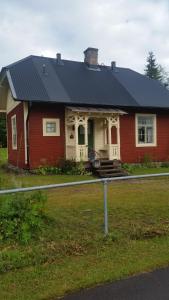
[{"x": 105, "y": 208}]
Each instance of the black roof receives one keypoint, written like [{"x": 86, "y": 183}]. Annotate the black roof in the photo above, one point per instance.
[{"x": 43, "y": 79}]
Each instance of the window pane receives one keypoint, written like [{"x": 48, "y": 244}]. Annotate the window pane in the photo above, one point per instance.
[
  {"x": 145, "y": 120},
  {"x": 149, "y": 135},
  {"x": 81, "y": 135},
  {"x": 50, "y": 127},
  {"x": 146, "y": 129},
  {"x": 141, "y": 135},
  {"x": 14, "y": 140}
]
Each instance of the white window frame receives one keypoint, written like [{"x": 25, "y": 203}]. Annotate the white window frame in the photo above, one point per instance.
[
  {"x": 14, "y": 145},
  {"x": 154, "y": 144},
  {"x": 52, "y": 120}
]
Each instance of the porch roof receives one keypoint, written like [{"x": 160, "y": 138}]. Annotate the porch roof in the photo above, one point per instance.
[{"x": 96, "y": 110}]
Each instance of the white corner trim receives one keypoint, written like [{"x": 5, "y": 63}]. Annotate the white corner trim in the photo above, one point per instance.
[
  {"x": 155, "y": 131},
  {"x": 14, "y": 147},
  {"x": 11, "y": 84},
  {"x": 25, "y": 112},
  {"x": 52, "y": 120}
]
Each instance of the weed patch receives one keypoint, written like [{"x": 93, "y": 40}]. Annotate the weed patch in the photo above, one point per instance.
[{"x": 21, "y": 216}]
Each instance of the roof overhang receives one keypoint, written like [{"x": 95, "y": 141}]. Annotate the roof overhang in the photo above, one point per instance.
[
  {"x": 5, "y": 84},
  {"x": 93, "y": 110},
  {"x": 8, "y": 74},
  {"x": 3, "y": 97}
]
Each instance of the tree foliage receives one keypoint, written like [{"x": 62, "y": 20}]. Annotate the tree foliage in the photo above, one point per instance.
[
  {"x": 152, "y": 69},
  {"x": 156, "y": 71},
  {"x": 164, "y": 76},
  {"x": 3, "y": 138}
]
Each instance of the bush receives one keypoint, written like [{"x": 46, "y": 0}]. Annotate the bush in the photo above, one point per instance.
[
  {"x": 3, "y": 137},
  {"x": 147, "y": 161},
  {"x": 48, "y": 171},
  {"x": 70, "y": 167},
  {"x": 66, "y": 167},
  {"x": 165, "y": 164},
  {"x": 21, "y": 216},
  {"x": 129, "y": 167}
]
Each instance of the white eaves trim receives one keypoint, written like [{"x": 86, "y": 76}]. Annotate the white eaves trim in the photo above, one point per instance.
[{"x": 11, "y": 84}]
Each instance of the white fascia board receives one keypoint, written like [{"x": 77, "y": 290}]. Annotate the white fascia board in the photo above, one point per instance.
[{"x": 11, "y": 84}]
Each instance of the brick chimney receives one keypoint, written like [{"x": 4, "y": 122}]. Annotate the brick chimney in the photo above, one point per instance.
[
  {"x": 91, "y": 56},
  {"x": 113, "y": 65}
]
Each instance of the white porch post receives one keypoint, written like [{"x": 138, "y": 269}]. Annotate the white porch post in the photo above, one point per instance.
[
  {"x": 109, "y": 138},
  {"x": 118, "y": 136},
  {"x": 113, "y": 149},
  {"x": 81, "y": 150},
  {"x": 86, "y": 131},
  {"x": 77, "y": 158}
]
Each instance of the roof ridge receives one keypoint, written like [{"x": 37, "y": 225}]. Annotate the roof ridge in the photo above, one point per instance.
[
  {"x": 64, "y": 60},
  {"x": 53, "y": 58}
]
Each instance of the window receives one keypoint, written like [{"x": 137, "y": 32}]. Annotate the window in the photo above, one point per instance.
[
  {"x": 14, "y": 132},
  {"x": 51, "y": 127},
  {"x": 81, "y": 135},
  {"x": 145, "y": 130}
]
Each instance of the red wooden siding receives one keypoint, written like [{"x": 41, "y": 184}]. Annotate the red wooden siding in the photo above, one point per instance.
[
  {"x": 130, "y": 153},
  {"x": 16, "y": 157},
  {"x": 48, "y": 150},
  {"x": 45, "y": 150}
]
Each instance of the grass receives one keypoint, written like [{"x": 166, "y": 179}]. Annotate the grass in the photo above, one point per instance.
[
  {"x": 73, "y": 253},
  {"x": 3, "y": 155},
  {"x": 149, "y": 170},
  {"x": 142, "y": 169}
]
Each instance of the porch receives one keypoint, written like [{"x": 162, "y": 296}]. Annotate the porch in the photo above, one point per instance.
[{"x": 92, "y": 133}]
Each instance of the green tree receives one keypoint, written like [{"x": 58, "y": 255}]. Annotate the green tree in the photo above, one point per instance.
[
  {"x": 3, "y": 138},
  {"x": 164, "y": 76},
  {"x": 152, "y": 69},
  {"x": 156, "y": 71}
]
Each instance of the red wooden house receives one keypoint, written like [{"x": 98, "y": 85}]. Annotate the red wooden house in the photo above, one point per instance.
[{"x": 81, "y": 110}]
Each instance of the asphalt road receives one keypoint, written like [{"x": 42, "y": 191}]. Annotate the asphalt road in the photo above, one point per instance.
[{"x": 148, "y": 286}]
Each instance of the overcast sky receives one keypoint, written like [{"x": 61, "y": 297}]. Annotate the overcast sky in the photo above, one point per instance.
[{"x": 123, "y": 30}]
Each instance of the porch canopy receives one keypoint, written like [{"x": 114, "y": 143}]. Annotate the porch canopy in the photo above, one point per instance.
[
  {"x": 92, "y": 130},
  {"x": 98, "y": 110}
]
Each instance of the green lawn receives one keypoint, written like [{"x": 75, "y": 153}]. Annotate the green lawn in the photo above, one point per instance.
[
  {"x": 73, "y": 253},
  {"x": 3, "y": 155},
  {"x": 150, "y": 170}
]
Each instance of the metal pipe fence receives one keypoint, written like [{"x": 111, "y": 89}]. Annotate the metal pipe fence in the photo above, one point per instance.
[{"x": 104, "y": 181}]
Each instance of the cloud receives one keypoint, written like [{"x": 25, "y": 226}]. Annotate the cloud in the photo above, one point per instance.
[{"x": 123, "y": 30}]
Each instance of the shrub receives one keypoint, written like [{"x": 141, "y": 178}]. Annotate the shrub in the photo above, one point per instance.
[
  {"x": 2, "y": 183},
  {"x": 165, "y": 164},
  {"x": 70, "y": 167},
  {"x": 48, "y": 171},
  {"x": 129, "y": 167},
  {"x": 21, "y": 216},
  {"x": 147, "y": 161},
  {"x": 66, "y": 167}
]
